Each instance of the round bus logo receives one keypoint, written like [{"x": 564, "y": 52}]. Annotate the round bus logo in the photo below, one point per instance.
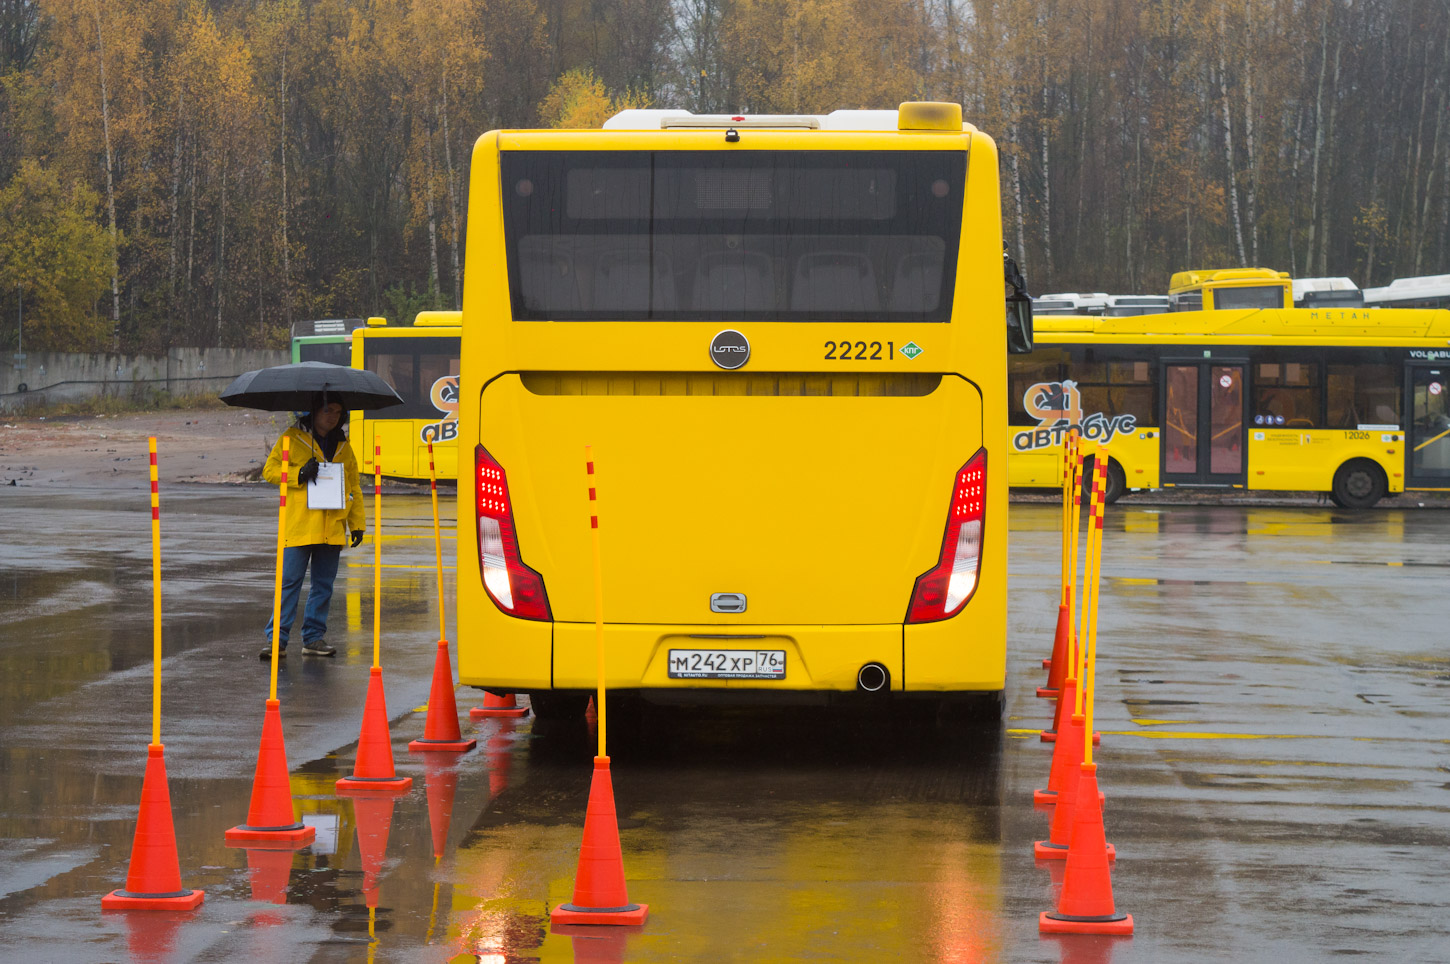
[{"x": 730, "y": 349}]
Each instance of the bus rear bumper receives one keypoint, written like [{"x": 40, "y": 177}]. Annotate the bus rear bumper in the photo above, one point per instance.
[{"x": 823, "y": 659}]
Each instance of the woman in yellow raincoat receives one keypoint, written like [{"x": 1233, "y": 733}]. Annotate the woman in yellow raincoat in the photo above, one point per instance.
[{"x": 314, "y": 537}]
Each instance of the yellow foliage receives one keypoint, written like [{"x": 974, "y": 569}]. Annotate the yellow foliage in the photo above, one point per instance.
[
  {"x": 814, "y": 56},
  {"x": 578, "y": 99},
  {"x": 52, "y": 248}
]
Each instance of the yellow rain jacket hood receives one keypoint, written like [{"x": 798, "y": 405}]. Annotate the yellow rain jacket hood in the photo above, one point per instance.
[{"x": 312, "y": 527}]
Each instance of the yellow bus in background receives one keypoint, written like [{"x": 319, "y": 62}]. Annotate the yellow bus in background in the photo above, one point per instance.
[
  {"x": 1348, "y": 401},
  {"x": 421, "y": 363},
  {"x": 1230, "y": 288},
  {"x": 785, "y": 338}
]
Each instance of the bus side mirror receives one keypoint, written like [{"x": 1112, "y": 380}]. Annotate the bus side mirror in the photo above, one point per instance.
[
  {"x": 1019, "y": 324},
  {"x": 1019, "y": 308}
]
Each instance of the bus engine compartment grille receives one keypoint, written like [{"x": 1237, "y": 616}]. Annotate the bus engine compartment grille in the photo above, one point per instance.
[{"x": 810, "y": 384}]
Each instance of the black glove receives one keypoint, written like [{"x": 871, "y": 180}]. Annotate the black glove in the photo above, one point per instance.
[
  {"x": 357, "y": 535},
  {"x": 308, "y": 473}
]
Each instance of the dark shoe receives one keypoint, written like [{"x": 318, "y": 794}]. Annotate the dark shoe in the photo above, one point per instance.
[
  {"x": 281, "y": 653},
  {"x": 318, "y": 648}
]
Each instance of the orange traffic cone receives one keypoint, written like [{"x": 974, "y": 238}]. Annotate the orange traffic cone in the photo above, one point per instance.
[
  {"x": 1057, "y": 665},
  {"x": 154, "y": 879},
  {"x": 497, "y": 706},
  {"x": 373, "y": 768},
  {"x": 600, "y": 895},
  {"x": 441, "y": 783},
  {"x": 374, "y": 815},
  {"x": 1086, "y": 904},
  {"x": 1060, "y": 711},
  {"x": 440, "y": 730},
  {"x": 1069, "y": 793},
  {"x": 270, "y": 817},
  {"x": 1065, "y": 755}
]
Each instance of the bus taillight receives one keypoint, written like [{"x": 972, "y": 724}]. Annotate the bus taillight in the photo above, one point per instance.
[
  {"x": 513, "y": 586},
  {"x": 945, "y": 588}
]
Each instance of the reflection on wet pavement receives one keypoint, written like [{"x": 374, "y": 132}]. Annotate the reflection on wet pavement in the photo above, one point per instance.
[{"x": 1272, "y": 700}]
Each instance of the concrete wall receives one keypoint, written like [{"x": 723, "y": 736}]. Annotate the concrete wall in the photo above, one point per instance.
[{"x": 53, "y": 377}]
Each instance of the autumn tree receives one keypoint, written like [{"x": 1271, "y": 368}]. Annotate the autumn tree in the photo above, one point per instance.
[{"x": 55, "y": 256}]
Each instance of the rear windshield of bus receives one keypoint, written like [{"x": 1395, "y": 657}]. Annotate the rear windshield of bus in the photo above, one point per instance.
[
  {"x": 1258, "y": 296},
  {"x": 418, "y": 369},
  {"x": 745, "y": 235},
  {"x": 332, "y": 352}
]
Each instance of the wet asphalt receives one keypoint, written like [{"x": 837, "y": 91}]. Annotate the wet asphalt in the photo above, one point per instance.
[{"x": 1272, "y": 697}]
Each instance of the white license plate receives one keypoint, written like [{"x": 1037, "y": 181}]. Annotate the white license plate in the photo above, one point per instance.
[{"x": 727, "y": 664}]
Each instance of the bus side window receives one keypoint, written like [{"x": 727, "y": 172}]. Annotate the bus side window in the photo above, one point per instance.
[
  {"x": 1026, "y": 372},
  {"x": 1363, "y": 395},
  {"x": 1287, "y": 394}
]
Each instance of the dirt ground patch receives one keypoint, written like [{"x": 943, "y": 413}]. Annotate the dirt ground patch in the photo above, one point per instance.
[{"x": 203, "y": 445}]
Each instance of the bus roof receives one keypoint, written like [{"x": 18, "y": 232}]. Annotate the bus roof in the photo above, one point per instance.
[
  {"x": 1188, "y": 280},
  {"x": 1404, "y": 289},
  {"x": 1301, "y": 285},
  {"x": 909, "y": 116},
  {"x": 438, "y": 319},
  {"x": 325, "y": 326},
  {"x": 1291, "y": 324}
]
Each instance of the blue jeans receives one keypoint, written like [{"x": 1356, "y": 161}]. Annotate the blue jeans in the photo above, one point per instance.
[{"x": 295, "y": 560}]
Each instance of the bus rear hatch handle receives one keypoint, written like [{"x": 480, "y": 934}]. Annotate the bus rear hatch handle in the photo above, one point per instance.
[{"x": 727, "y": 602}]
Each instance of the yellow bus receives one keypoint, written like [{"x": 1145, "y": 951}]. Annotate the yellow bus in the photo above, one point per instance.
[
  {"x": 421, "y": 363},
  {"x": 785, "y": 339},
  {"x": 1348, "y": 401},
  {"x": 1230, "y": 288}
]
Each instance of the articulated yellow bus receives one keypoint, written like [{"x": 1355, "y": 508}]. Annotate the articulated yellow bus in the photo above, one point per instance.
[
  {"x": 1348, "y": 401},
  {"x": 785, "y": 339},
  {"x": 421, "y": 364}
]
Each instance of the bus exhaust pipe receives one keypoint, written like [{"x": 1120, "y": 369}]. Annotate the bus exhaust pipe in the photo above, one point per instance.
[{"x": 872, "y": 678}]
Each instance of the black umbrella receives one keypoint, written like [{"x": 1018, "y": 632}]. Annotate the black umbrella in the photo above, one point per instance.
[{"x": 292, "y": 388}]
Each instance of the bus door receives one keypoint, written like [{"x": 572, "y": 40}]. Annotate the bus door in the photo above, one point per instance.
[
  {"x": 1427, "y": 458},
  {"x": 1203, "y": 422}
]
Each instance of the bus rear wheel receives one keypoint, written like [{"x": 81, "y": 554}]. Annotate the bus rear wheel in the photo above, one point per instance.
[
  {"x": 1115, "y": 484},
  {"x": 1358, "y": 484}
]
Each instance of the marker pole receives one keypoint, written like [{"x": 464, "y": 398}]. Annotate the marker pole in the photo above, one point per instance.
[
  {"x": 598, "y": 594},
  {"x": 1066, "y": 508},
  {"x": 437, "y": 540},
  {"x": 281, "y": 548},
  {"x": 155, "y": 599},
  {"x": 377, "y": 555},
  {"x": 1073, "y": 523},
  {"x": 1090, "y": 595}
]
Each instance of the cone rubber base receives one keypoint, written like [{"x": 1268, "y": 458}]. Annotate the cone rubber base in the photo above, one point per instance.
[
  {"x": 397, "y": 785},
  {"x": 273, "y": 843},
  {"x": 1047, "y": 850},
  {"x": 1120, "y": 925},
  {"x": 1049, "y": 797},
  {"x": 1050, "y": 736},
  {"x": 182, "y": 900},
  {"x": 442, "y": 746},
  {"x": 1048, "y": 692},
  {"x": 485, "y": 712},
  {"x": 628, "y": 914},
  {"x": 300, "y": 834},
  {"x": 1047, "y": 663}
]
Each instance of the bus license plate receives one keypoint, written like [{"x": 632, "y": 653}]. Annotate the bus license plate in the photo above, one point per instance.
[{"x": 727, "y": 664}]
